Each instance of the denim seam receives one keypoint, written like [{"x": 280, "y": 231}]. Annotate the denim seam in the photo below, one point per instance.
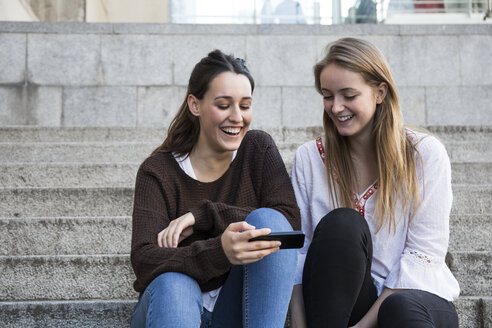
[
  {"x": 245, "y": 295},
  {"x": 151, "y": 298}
]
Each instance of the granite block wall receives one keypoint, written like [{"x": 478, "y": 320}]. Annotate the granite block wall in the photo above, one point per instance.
[{"x": 79, "y": 74}]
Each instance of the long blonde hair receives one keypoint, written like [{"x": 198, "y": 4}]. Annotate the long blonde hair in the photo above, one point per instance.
[{"x": 395, "y": 152}]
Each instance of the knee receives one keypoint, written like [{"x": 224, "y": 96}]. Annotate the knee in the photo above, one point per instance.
[
  {"x": 398, "y": 309},
  {"x": 268, "y": 218},
  {"x": 173, "y": 285},
  {"x": 342, "y": 221}
]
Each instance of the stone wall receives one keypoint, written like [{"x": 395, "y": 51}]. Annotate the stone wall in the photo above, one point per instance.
[{"x": 79, "y": 74}]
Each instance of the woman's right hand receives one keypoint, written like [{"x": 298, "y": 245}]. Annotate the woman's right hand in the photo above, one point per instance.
[
  {"x": 177, "y": 230},
  {"x": 238, "y": 249}
]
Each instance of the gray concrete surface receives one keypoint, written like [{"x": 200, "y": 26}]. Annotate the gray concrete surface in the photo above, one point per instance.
[
  {"x": 63, "y": 314},
  {"x": 443, "y": 72},
  {"x": 66, "y": 277},
  {"x": 135, "y": 152},
  {"x": 473, "y": 270},
  {"x": 68, "y": 175},
  {"x": 65, "y": 235},
  {"x": 95, "y": 174}
]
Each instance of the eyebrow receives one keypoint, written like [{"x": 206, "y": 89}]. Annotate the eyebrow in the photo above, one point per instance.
[
  {"x": 230, "y": 98},
  {"x": 344, "y": 89}
]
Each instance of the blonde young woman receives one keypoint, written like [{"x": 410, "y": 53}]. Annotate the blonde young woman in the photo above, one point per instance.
[{"x": 375, "y": 199}]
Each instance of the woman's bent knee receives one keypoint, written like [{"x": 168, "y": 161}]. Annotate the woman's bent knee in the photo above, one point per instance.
[
  {"x": 171, "y": 299},
  {"x": 268, "y": 218},
  {"x": 399, "y": 309},
  {"x": 342, "y": 221},
  {"x": 174, "y": 284}
]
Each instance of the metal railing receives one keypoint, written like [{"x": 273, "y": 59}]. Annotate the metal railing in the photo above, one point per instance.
[{"x": 327, "y": 12}]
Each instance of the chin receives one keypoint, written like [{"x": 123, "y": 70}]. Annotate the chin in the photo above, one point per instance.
[{"x": 344, "y": 132}]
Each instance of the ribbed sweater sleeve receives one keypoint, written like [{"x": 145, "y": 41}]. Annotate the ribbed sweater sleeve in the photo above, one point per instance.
[{"x": 216, "y": 216}]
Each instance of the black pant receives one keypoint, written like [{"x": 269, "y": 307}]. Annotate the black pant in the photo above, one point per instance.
[{"x": 338, "y": 288}]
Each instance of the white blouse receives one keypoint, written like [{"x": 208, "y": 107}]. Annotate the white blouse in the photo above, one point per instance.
[{"x": 412, "y": 255}]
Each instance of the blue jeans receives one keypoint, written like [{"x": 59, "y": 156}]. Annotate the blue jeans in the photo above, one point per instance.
[{"x": 254, "y": 295}]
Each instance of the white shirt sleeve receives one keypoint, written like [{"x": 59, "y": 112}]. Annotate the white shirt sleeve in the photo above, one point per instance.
[
  {"x": 422, "y": 262},
  {"x": 298, "y": 183}
]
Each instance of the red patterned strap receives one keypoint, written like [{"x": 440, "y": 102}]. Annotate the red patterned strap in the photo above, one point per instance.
[
  {"x": 321, "y": 149},
  {"x": 359, "y": 204}
]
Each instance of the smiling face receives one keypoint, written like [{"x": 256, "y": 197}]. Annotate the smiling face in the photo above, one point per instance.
[
  {"x": 349, "y": 101},
  {"x": 224, "y": 112}
]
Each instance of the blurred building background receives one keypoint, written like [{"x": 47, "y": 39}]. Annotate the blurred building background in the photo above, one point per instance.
[{"x": 249, "y": 11}]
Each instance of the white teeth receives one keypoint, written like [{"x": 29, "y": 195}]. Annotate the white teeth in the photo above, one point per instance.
[
  {"x": 231, "y": 130},
  {"x": 345, "y": 118}
]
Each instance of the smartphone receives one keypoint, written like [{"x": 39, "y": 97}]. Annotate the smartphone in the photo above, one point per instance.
[{"x": 289, "y": 239}]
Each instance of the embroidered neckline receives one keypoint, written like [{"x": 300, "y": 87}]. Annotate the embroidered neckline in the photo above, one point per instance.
[{"x": 359, "y": 203}]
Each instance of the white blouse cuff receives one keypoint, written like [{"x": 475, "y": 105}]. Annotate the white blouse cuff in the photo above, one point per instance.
[{"x": 417, "y": 271}]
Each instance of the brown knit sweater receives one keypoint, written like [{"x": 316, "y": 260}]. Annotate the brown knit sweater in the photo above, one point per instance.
[{"x": 163, "y": 192}]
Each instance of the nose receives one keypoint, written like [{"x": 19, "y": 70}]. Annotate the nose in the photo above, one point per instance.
[
  {"x": 337, "y": 106},
  {"x": 236, "y": 115}
]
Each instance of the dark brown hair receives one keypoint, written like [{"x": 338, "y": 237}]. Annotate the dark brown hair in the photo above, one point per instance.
[{"x": 184, "y": 129}]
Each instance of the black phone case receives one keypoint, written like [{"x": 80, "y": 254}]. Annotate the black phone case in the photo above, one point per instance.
[{"x": 289, "y": 239}]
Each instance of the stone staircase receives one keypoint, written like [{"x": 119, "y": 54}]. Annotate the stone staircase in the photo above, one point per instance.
[{"x": 65, "y": 219}]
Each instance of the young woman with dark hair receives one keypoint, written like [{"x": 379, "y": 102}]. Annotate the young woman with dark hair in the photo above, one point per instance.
[{"x": 199, "y": 198}]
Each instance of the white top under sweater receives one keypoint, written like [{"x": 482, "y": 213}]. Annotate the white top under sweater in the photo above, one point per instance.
[
  {"x": 411, "y": 257},
  {"x": 208, "y": 298}
]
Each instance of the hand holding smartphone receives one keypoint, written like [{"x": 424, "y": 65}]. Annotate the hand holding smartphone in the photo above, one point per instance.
[{"x": 289, "y": 239}]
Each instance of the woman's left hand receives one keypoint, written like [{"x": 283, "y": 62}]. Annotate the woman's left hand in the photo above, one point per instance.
[{"x": 177, "y": 230}]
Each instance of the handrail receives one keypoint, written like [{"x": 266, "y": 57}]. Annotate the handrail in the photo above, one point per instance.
[{"x": 331, "y": 12}]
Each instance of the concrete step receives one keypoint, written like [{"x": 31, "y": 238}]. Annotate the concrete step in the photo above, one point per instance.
[
  {"x": 62, "y": 175},
  {"x": 21, "y": 134},
  {"x": 473, "y": 312},
  {"x": 56, "y": 202},
  {"x": 53, "y": 202},
  {"x": 29, "y": 278},
  {"x": 472, "y": 173},
  {"x": 63, "y": 314},
  {"x": 473, "y": 270},
  {"x": 135, "y": 152},
  {"x": 462, "y": 133},
  {"x": 472, "y": 199},
  {"x": 112, "y": 235},
  {"x": 71, "y": 277},
  {"x": 65, "y": 236},
  {"x": 66, "y": 175},
  {"x": 470, "y": 232},
  {"x": 76, "y": 152}
]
